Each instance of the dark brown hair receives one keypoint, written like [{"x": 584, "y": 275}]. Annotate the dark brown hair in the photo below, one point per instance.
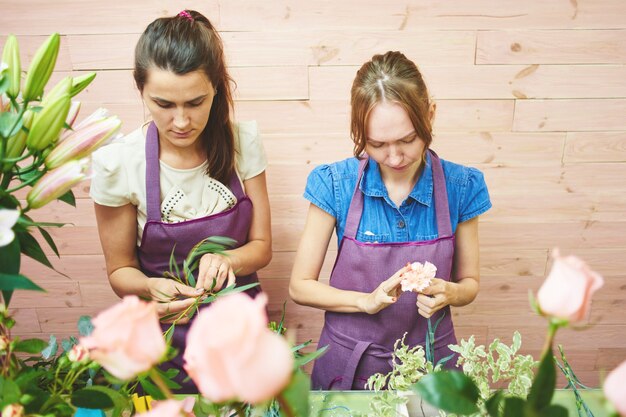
[
  {"x": 392, "y": 77},
  {"x": 182, "y": 45}
]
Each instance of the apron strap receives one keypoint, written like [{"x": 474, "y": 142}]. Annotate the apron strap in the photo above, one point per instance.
[
  {"x": 356, "y": 204},
  {"x": 442, "y": 210},
  {"x": 350, "y": 372},
  {"x": 153, "y": 181},
  {"x": 440, "y": 193}
]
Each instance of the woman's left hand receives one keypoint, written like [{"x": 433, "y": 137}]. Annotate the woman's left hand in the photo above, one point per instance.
[
  {"x": 434, "y": 297},
  {"x": 214, "y": 266}
]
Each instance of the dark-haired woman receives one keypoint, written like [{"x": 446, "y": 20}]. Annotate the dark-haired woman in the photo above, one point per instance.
[{"x": 188, "y": 174}]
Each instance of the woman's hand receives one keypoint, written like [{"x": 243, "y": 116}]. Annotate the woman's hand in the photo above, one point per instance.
[
  {"x": 384, "y": 295},
  {"x": 172, "y": 298},
  {"x": 214, "y": 266},
  {"x": 434, "y": 297}
]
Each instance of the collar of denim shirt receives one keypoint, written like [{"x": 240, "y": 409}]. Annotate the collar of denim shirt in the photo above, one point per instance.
[{"x": 372, "y": 184}]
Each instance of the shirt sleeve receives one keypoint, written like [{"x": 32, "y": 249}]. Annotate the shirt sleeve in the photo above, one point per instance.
[
  {"x": 109, "y": 183},
  {"x": 251, "y": 159},
  {"x": 320, "y": 189},
  {"x": 475, "y": 200}
]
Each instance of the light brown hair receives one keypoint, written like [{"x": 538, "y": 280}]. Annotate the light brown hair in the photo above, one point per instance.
[{"x": 394, "y": 77}]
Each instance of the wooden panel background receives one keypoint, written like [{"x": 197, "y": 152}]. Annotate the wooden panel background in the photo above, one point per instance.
[{"x": 533, "y": 93}]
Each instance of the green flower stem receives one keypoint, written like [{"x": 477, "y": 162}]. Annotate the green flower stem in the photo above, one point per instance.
[
  {"x": 26, "y": 183},
  {"x": 284, "y": 405},
  {"x": 552, "y": 328},
  {"x": 156, "y": 378}
]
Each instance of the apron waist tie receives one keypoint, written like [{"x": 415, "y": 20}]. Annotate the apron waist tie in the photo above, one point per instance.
[{"x": 359, "y": 348}]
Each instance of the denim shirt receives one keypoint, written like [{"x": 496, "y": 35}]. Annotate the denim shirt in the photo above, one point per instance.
[{"x": 330, "y": 187}]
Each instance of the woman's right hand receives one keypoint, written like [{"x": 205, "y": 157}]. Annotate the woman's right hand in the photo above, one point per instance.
[
  {"x": 172, "y": 298},
  {"x": 384, "y": 295}
]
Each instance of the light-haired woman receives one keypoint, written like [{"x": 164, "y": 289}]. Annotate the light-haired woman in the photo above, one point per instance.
[{"x": 395, "y": 202}]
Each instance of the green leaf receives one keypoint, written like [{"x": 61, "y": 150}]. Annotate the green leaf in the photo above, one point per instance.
[
  {"x": 7, "y": 122},
  {"x": 118, "y": 399},
  {"x": 308, "y": 357},
  {"x": 168, "y": 377},
  {"x": 10, "y": 282},
  {"x": 554, "y": 411},
  {"x": 493, "y": 404},
  {"x": 9, "y": 264},
  {"x": 68, "y": 198},
  {"x": 514, "y": 407},
  {"x": 296, "y": 395},
  {"x": 30, "y": 346},
  {"x": 452, "y": 391},
  {"x": 151, "y": 389},
  {"x": 91, "y": 397},
  {"x": 30, "y": 247},
  {"x": 9, "y": 392},
  {"x": 51, "y": 349},
  {"x": 49, "y": 240},
  {"x": 85, "y": 326},
  {"x": 543, "y": 385}
]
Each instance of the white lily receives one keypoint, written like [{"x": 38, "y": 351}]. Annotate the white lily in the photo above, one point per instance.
[{"x": 8, "y": 218}]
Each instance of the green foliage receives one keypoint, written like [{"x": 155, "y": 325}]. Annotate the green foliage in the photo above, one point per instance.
[
  {"x": 498, "y": 362},
  {"x": 450, "y": 391}
]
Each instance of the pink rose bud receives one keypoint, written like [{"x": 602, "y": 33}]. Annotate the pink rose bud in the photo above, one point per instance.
[
  {"x": 242, "y": 359},
  {"x": 13, "y": 410},
  {"x": 418, "y": 277},
  {"x": 83, "y": 141},
  {"x": 78, "y": 353},
  {"x": 4, "y": 342},
  {"x": 566, "y": 292},
  {"x": 127, "y": 338},
  {"x": 57, "y": 182},
  {"x": 615, "y": 388}
]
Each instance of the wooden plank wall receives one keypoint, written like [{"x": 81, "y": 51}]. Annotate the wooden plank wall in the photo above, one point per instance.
[{"x": 531, "y": 92}]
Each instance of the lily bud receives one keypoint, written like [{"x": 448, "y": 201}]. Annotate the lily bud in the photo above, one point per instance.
[
  {"x": 80, "y": 83},
  {"x": 57, "y": 182},
  {"x": 62, "y": 87},
  {"x": 41, "y": 68},
  {"x": 17, "y": 142},
  {"x": 11, "y": 57},
  {"x": 48, "y": 123},
  {"x": 82, "y": 142},
  {"x": 72, "y": 114}
]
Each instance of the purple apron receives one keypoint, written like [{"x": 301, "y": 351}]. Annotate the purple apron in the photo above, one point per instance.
[
  {"x": 159, "y": 238},
  {"x": 361, "y": 344}
]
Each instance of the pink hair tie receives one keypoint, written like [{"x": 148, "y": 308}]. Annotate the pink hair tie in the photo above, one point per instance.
[{"x": 186, "y": 15}]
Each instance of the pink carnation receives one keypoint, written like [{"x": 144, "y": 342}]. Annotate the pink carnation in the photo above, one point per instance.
[{"x": 418, "y": 277}]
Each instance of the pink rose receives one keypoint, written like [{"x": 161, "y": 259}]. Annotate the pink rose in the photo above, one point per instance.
[
  {"x": 168, "y": 408},
  {"x": 615, "y": 388},
  {"x": 418, "y": 277},
  {"x": 78, "y": 353},
  {"x": 231, "y": 354},
  {"x": 127, "y": 338},
  {"x": 566, "y": 292}
]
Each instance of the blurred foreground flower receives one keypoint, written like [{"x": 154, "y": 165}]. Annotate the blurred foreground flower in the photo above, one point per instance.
[
  {"x": 615, "y": 388},
  {"x": 566, "y": 293},
  {"x": 170, "y": 408},
  {"x": 242, "y": 359},
  {"x": 127, "y": 338}
]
